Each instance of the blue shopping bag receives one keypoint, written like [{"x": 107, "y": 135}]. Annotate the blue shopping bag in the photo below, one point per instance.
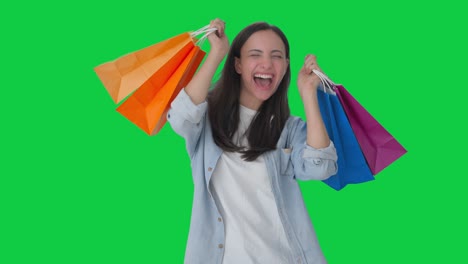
[{"x": 352, "y": 166}]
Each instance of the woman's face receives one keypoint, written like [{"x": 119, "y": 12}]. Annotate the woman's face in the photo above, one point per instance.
[{"x": 262, "y": 65}]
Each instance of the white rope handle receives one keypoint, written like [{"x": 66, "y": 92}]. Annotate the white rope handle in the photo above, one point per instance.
[
  {"x": 327, "y": 84},
  {"x": 206, "y": 30}
]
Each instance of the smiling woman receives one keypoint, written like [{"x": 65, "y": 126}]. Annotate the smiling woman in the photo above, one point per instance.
[
  {"x": 256, "y": 75},
  {"x": 247, "y": 152},
  {"x": 262, "y": 65}
]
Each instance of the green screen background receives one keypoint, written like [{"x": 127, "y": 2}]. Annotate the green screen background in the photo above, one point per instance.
[{"x": 81, "y": 184}]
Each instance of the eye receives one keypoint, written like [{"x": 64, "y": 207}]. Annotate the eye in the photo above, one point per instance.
[
  {"x": 277, "y": 56},
  {"x": 254, "y": 55}
]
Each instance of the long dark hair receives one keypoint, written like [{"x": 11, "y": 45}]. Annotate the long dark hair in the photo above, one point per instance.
[{"x": 223, "y": 103}]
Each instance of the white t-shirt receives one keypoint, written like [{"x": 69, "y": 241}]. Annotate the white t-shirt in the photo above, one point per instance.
[{"x": 242, "y": 191}]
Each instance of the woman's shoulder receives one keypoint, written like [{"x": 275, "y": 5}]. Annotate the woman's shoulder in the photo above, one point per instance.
[
  {"x": 293, "y": 126},
  {"x": 294, "y": 121}
]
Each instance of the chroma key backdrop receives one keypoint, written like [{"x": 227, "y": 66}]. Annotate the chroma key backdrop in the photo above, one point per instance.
[{"x": 79, "y": 183}]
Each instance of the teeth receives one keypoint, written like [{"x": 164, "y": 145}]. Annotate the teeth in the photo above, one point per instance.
[{"x": 263, "y": 76}]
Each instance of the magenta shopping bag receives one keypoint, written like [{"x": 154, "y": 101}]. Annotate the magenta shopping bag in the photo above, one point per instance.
[
  {"x": 379, "y": 147},
  {"x": 352, "y": 165}
]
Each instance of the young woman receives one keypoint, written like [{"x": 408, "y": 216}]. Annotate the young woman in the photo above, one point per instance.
[{"x": 247, "y": 152}]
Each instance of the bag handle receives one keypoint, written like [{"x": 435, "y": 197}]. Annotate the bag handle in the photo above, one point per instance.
[
  {"x": 328, "y": 85},
  {"x": 206, "y": 30}
]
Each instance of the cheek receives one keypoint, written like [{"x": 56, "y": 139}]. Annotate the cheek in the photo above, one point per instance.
[
  {"x": 281, "y": 66},
  {"x": 241, "y": 68},
  {"x": 247, "y": 71}
]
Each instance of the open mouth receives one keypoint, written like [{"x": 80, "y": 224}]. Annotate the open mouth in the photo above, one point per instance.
[{"x": 263, "y": 81}]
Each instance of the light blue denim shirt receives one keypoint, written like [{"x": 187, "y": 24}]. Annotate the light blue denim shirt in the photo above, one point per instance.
[{"x": 293, "y": 159}]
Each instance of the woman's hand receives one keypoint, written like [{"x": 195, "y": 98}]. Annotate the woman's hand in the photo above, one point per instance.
[
  {"x": 218, "y": 40},
  {"x": 307, "y": 81},
  {"x": 197, "y": 88}
]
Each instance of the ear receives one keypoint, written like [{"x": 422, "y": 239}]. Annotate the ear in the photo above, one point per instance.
[{"x": 237, "y": 65}]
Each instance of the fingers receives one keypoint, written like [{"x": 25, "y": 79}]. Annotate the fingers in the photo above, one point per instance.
[
  {"x": 219, "y": 25},
  {"x": 310, "y": 64}
]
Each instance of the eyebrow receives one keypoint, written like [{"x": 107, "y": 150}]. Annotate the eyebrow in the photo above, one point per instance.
[{"x": 257, "y": 50}]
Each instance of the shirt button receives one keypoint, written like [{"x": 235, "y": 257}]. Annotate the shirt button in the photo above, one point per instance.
[
  {"x": 220, "y": 246},
  {"x": 317, "y": 161},
  {"x": 210, "y": 169},
  {"x": 219, "y": 219}
]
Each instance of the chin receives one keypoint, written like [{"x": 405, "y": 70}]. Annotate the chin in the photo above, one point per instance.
[{"x": 263, "y": 96}]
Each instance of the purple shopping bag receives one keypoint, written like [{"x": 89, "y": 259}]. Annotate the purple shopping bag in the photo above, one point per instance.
[{"x": 379, "y": 147}]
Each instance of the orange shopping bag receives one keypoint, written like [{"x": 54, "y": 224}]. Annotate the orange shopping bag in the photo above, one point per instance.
[
  {"x": 125, "y": 74},
  {"x": 147, "y": 107},
  {"x": 153, "y": 76}
]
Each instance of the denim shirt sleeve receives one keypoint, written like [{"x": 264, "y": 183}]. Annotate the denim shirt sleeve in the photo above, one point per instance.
[
  {"x": 310, "y": 163},
  {"x": 186, "y": 119}
]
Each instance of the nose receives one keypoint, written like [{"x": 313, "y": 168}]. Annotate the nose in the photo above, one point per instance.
[{"x": 266, "y": 62}]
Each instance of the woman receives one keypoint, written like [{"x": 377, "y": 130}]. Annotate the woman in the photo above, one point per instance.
[{"x": 247, "y": 152}]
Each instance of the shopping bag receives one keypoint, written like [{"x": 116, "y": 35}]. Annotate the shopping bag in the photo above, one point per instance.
[
  {"x": 147, "y": 107},
  {"x": 126, "y": 74},
  {"x": 380, "y": 148},
  {"x": 352, "y": 166},
  {"x": 149, "y": 79}
]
